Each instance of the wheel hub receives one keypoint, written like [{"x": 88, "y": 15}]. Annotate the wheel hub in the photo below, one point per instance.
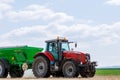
[
  {"x": 41, "y": 67},
  {"x": 69, "y": 70}
]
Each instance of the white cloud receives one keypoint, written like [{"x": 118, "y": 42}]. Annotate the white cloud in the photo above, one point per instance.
[
  {"x": 23, "y": 36},
  {"x": 35, "y": 12},
  {"x": 23, "y": 31},
  {"x": 6, "y": 1},
  {"x": 5, "y": 6},
  {"x": 103, "y": 34},
  {"x": 113, "y": 2},
  {"x": 100, "y": 34}
]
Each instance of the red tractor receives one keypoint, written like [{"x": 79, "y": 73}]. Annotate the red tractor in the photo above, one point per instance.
[{"x": 59, "y": 61}]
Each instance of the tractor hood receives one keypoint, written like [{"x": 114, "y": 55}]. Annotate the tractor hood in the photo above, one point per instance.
[
  {"x": 72, "y": 52},
  {"x": 75, "y": 55}
]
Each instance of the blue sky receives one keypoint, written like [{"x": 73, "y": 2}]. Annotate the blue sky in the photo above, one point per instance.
[{"x": 93, "y": 24}]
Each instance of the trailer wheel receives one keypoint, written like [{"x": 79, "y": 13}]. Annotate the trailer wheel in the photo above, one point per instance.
[
  {"x": 16, "y": 72},
  {"x": 3, "y": 70},
  {"x": 41, "y": 67},
  {"x": 70, "y": 69}
]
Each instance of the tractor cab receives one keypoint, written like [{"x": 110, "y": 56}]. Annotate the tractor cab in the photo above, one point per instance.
[{"x": 57, "y": 46}]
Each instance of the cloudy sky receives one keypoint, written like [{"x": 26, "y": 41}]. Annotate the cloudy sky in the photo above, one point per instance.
[{"x": 93, "y": 24}]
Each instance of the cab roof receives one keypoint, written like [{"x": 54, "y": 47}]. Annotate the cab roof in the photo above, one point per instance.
[{"x": 56, "y": 40}]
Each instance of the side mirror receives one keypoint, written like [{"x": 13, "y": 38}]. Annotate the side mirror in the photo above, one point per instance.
[{"x": 75, "y": 45}]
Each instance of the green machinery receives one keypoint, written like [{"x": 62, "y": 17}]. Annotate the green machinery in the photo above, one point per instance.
[{"x": 15, "y": 60}]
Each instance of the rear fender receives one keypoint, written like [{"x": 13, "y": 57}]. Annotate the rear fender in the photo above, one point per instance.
[{"x": 46, "y": 54}]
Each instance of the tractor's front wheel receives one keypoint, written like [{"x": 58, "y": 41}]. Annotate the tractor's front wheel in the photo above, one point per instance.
[
  {"x": 70, "y": 69},
  {"x": 16, "y": 72},
  {"x": 41, "y": 67},
  {"x": 91, "y": 72}
]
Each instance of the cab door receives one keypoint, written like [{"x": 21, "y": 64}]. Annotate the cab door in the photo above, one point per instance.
[{"x": 52, "y": 48}]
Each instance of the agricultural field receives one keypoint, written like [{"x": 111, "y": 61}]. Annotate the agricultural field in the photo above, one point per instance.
[{"x": 108, "y": 72}]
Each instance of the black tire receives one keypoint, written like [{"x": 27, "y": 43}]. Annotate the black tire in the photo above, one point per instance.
[
  {"x": 41, "y": 67},
  {"x": 3, "y": 70},
  {"x": 16, "y": 72},
  {"x": 70, "y": 69},
  {"x": 91, "y": 72}
]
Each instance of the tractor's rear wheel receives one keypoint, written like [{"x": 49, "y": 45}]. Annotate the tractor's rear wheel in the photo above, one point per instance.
[
  {"x": 3, "y": 70},
  {"x": 41, "y": 67},
  {"x": 16, "y": 72},
  {"x": 70, "y": 69}
]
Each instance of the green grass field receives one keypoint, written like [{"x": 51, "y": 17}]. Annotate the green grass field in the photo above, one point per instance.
[{"x": 108, "y": 71}]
